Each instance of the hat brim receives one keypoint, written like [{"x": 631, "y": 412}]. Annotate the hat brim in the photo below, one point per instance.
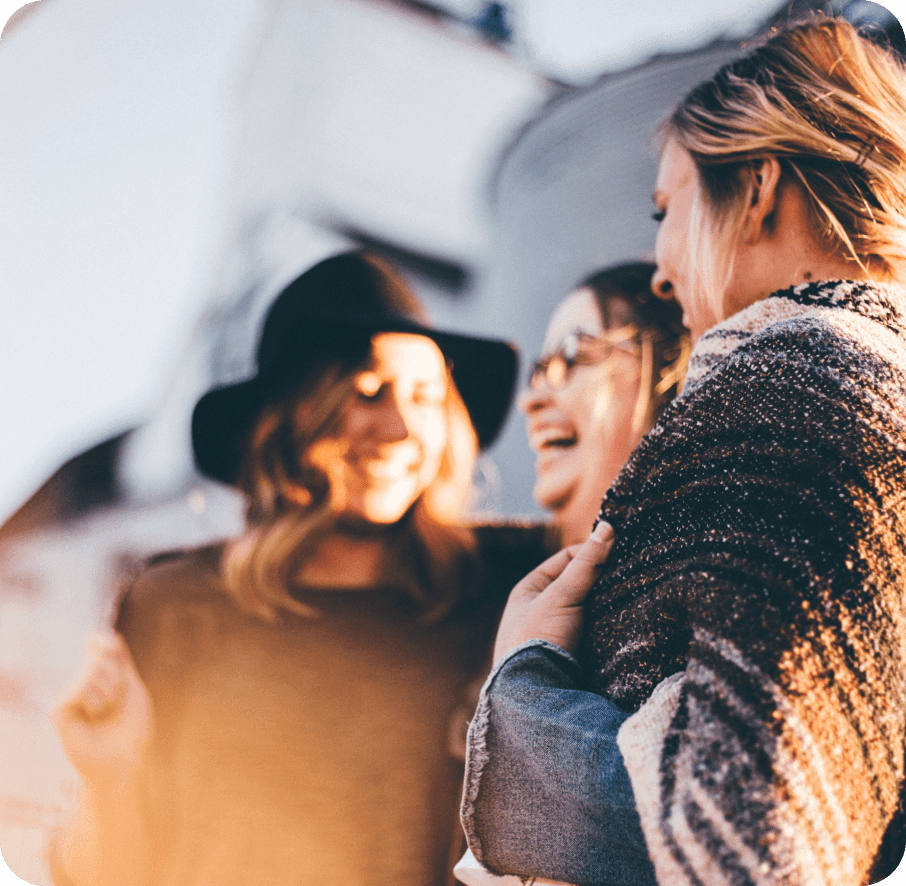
[{"x": 484, "y": 371}]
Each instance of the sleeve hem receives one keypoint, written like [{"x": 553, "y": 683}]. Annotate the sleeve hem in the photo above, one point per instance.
[{"x": 477, "y": 755}]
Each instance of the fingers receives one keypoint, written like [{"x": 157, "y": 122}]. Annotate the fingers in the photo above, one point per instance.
[
  {"x": 541, "y": 576},
  {"x": 590, "y": 554},
  {"x": 99, "y": 687},
  {"x": 596, "y": 548},
  {"x": 547, "y": 603},
  {"x": 571, "y": 587}
]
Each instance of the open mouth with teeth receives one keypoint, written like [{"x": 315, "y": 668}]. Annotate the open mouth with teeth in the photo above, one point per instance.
[{"x": 553, "y": 438}]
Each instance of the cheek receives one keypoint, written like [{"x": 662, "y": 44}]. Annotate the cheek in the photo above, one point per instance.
[
  {"x": 584, "y": 402},
  {"x": 659, "y": 246},
  {"x": 622, "y": 409},
  {"x": 354, "y": 422},
  {"x": 665, "y": 248},
  {"x": 610, "y": 412},
  {"x": 433, "y": 433}
]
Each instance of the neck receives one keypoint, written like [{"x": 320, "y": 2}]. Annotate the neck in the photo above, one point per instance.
[
  {"x": 813, "y": 268},
  {"x": 819, "y": 266},
  {"x": 783, "y": 251},
  {"x": 345, "y": 560},
  {"x": 356, "y": 556},
  {"x": 576, "y": 519}
]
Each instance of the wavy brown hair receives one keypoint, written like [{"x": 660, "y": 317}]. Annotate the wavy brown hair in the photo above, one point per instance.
[
  {"x": 831, "y": 106},
  {"x": 293, "y": 505}
]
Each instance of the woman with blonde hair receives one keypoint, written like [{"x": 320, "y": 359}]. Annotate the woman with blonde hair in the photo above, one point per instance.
[
  {"x": 278, "y": 708},
  {"x": 729, "y": 706}
]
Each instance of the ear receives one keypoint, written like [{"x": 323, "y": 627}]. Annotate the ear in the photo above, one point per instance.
[{"x": 766, "y": 178}]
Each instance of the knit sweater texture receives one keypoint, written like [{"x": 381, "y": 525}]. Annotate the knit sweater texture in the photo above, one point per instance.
[{"x": 761, "y": 555}]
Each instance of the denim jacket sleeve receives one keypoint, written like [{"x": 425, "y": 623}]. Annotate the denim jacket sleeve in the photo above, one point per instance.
[{"x": 546, "y": 792}]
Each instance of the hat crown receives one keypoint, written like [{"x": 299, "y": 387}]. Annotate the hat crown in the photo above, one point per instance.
[{"x": 342, "y": 291}]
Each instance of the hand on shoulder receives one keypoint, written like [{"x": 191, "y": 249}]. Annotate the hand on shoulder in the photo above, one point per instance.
[
  {"x": 104, "y": 720},
  {"x": 548, "y": 603}
]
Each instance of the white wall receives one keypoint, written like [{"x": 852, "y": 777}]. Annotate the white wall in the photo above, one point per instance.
[{"x": 113, "y": 136}]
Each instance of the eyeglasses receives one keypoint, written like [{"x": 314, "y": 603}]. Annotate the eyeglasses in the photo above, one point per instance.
[{"x": 580, "y": 349}]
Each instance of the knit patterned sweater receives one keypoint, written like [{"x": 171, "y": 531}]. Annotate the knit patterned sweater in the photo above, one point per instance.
[{"x": 761, "y": 557}]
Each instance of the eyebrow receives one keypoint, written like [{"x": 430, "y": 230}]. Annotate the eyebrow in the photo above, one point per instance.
[{"x": 656, "y": 196}]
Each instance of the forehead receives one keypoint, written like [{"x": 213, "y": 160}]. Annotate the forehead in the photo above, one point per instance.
[
  {"x": 676, "y": 170},
  {"x": 405, "y": 355},
  {"x": 578, "y": 311}
]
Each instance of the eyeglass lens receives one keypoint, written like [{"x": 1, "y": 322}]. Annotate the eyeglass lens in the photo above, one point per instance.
[
  {"x": 555, "y": 369},
  {"x": 577, "y": 347}
]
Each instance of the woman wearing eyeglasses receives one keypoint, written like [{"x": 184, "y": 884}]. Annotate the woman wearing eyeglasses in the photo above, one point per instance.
[{"x": 613, "y": 357}]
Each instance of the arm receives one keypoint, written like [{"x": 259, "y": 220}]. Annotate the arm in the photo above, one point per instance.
[
  {"x": 546, "y": 790},
  {"x": 105, "y": 724},
  {"x": 541, "y": 750},
  {"x": 765, "y": 567},
  {"x": 775, "y": 779}
]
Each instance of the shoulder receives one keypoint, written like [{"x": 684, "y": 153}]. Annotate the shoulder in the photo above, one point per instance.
[
  {"x": 174, "y": 600},
  {"x": 832, "y": 333},
  {"x": 781, "y": 388},
  {"x": 799, "y": 370},
  {"x": 173, "y": 576}
]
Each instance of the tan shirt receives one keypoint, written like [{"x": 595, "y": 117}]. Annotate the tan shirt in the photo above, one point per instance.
[{"x": 309, "y": 750}]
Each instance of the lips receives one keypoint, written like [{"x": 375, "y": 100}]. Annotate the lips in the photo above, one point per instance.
[
  {"x": 386, "y": 469},
  {"x": 544, "y": 438}
]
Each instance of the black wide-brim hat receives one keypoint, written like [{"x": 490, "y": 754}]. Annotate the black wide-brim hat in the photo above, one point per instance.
[{"x": 331, "y": 312}]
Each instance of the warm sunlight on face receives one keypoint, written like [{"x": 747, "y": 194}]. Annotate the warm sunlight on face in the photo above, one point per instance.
[
  {"x": 394, "y": 428},
  {"x": 579, "y": 419},
  {"x": 674, "y": 195}
]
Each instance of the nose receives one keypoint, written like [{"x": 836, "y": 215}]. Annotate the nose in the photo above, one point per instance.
[
  {"x": 391, "y": 425},
  {"x": 533, "y": 398},
  {"x": 661, "y": 285}
]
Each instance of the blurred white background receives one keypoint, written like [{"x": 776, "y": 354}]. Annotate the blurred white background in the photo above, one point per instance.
[
  {"x": 114, "y": 157},
  {"x": 135, "y": 153}
]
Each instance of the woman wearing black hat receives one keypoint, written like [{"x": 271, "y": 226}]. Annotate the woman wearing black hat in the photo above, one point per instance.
[{"x": 288, "y": 717}]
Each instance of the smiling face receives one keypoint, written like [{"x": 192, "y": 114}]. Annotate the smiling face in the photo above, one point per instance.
[
  {"x": 581, "y": 432},
  {"x": 675, "y": 195},
  {"x": 393, "y": 431}
]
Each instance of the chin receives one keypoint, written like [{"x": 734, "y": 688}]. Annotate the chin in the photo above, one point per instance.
[
  {"x": 552, "y": 497},
  {"x": 381, "y": 509}
]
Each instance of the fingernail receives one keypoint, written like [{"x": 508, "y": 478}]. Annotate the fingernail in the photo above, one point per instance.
[{"x": 602, "y": 532}]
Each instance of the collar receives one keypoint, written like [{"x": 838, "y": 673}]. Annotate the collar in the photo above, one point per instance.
[{"x": 880, "y": 302}]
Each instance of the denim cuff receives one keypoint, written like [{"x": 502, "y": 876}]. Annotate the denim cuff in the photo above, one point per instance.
[
  {"x": 565, "y": 665},
  {"x": 477, "y": 754},
  {"x": 546, "y": 791}
]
